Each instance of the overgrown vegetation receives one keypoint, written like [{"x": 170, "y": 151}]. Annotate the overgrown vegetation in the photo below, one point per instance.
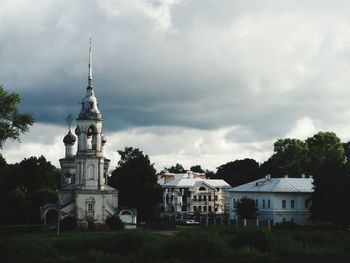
[{"x": 216, "y": 244}]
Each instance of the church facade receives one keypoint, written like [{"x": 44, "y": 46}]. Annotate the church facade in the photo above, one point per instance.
[{"x": 85, "y": 194}]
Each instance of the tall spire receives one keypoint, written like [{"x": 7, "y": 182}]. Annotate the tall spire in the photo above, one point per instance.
[{"x": 90, "y": 67}]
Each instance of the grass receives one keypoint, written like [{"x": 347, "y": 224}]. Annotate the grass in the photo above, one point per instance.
[{"x": 200, "y": 244}]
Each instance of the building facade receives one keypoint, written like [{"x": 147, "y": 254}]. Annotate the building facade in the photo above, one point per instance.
[
  {"x": 85, "y": 194},
  {"x": 191, "y": 193},
  {"x": 277, "y": 199}
]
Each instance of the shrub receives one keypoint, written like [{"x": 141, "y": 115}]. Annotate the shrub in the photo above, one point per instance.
[{"x": 114, "y": 222}]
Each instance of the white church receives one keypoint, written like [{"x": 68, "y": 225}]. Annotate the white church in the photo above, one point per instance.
[{"x": 85, "y": 194}]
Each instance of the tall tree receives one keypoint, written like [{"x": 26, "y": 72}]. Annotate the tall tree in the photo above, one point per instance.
[
  {"x": 135, "y": 178},
  {"x": 324, "y": 148},
  {"x": 290, "y": 157},
  {"x": 238, "y": 172},
  {"x": 12, "y": 122},
  {"x": 330, "y": 199},
  {"x": 24, "y": 187}
]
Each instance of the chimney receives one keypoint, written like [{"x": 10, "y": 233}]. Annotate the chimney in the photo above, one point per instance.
[
  {"x": 303, "y": 176},
  {"x": 268, "y": 176},
  {"x": 286, "y": 176}
]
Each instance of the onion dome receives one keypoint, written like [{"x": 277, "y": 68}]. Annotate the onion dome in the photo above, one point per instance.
[{"x": 70, "y": 138}]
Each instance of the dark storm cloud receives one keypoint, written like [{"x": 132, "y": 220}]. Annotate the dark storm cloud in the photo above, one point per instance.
[{"x": 194, "y": 64}]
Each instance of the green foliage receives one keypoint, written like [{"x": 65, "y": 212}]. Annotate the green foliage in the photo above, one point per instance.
[
  {"x": 324, "y": 148},
  {"x": 114, "y": 222},
  {"x": 197, "y": 169},
  {"x": 330, "y": 198},
  {"x": 246, "y": 208},
  {"x": 238, "y": 172},
  {"x": 290, "y": 157},
  {"x": 177, "y": 168},
  {"x": 24, "y": 187},
  {"x": 135, "y": 178},
  {"x": 12, "y": 123},
  {"x": 216, "y": 244}
]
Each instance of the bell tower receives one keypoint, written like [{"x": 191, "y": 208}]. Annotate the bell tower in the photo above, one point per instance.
[{"x": 90, "y": 162}]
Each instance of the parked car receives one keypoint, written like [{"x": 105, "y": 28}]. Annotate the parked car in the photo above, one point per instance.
[{"x": 190, "y": 222}]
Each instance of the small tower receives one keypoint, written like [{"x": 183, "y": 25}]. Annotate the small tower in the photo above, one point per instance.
[{"x": 68, "y": 162}]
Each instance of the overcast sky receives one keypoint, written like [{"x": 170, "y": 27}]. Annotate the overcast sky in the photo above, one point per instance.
[{"x": 188, "y": 81}]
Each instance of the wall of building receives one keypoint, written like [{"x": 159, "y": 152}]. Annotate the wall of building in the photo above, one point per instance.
[{"x": 271, "y": 206}]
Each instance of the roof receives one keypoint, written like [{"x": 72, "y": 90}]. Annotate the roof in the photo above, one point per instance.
[
  {"x": 277, "y": 185},
  {"x": 185, "y": 182}
]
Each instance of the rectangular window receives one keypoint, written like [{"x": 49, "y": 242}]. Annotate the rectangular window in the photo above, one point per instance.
[
  {"x": 268, "y": 203},
  {"x": 263, "y": 203},
  {"x": 283, "y": 203},
  {"x": 195, "y": 208},
  {"x": 199, "y": 198},
  {"x": 209, "y": 197},
  {"x": 204, "y": 208},
  {"x": 209, "y": 207},
  {"x": 89, "y": 207},
  {"x": 291, "y": 203},
  {"x": 215, "y": 197},
  {"x": 204, "y": 197},
  {"x": 195, "y": 198},
  {"x": 256, "y": 203},
  {"x": 199, "y": 208}
]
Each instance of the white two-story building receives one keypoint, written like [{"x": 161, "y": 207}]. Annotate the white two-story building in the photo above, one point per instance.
[
  {"x": 190, "y": 192},
  {"x": 277, "y": 199}
]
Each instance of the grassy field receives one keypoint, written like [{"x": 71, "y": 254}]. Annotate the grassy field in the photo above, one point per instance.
[{"x": 200, "y": 244}]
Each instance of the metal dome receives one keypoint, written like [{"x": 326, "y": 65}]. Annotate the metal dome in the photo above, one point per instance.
[{"x": 70, "y": 138}]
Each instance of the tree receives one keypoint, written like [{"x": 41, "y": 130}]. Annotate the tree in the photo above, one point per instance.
[
  {"x": 177, "y": 168},
  {"x": 24, "y": 187},
  {"x": 238, "y": 172},
  {"x": 135, "y": 178},
  {"x": 324, "y": 148},
  {"x": 12, "y": 123},
  {"x": 290, "y": 157},
  {"x": 330, "y": 199},
  {"x": 197, "y": 169},
  {"x": 246, "y": 209}
]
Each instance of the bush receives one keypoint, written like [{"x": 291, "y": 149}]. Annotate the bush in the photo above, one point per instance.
[{"x": 114, "y": 222}]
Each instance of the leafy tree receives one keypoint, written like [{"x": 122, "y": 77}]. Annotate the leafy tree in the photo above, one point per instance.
[
  {"x": 12, "y": 122},
  {"x": 324, "y": 148},
  {"x": 24, "y": 187},
  {"x": 290, "y": 157},
  {"x": 177, "y": 168},
  {"x": 197, "y": 169},
  {"x": 246, "y": 208},
  {"x": 330, "y": 199},
  {"x": 135, "y": 178},
  {"x": 238, "y": 172}
]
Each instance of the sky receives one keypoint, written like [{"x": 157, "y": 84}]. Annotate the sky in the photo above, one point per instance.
[{"x": 186, "y": 81}]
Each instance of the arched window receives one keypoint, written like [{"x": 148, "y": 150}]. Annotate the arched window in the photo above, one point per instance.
[
  {"x": 91, "y": 134},
  {"x": 202, "y": 188}
]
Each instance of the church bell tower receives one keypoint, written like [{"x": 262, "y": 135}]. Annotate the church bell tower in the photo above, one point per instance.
[{"x": 90, "y": 163}]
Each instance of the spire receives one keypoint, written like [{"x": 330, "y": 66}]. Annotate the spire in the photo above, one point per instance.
[{"x": 90, "y": 67}]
